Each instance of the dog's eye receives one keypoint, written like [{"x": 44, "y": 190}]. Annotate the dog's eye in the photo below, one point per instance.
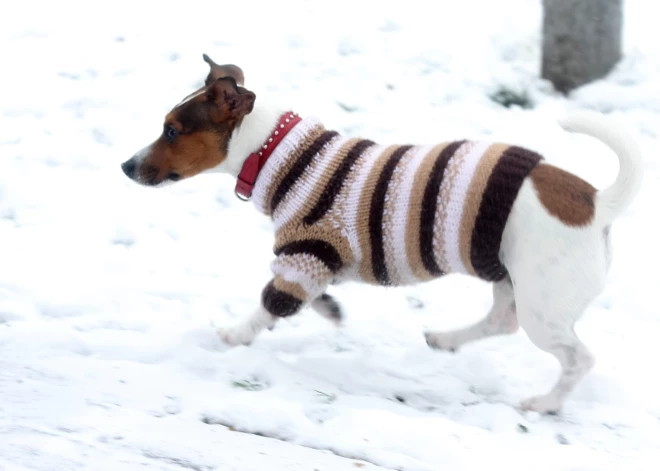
[{"x": 171, "y": 133}]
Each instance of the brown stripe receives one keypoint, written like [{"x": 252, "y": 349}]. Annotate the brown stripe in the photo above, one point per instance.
[
  {"x": 376, "y": 216},
  {"x": 429, "y": 203},
  {"x": 415, "y": 210},
  {"x": 498, "y": 198},
  {"x": 334, "y": 186},
  {"x": 279, "y": 303},
  {"x": 290, "y": 287},
  {"x": 473, "y": 200},
  {"x": 364, "y": 206},
  {"x": 286, "y": 166},
  {"x": 319, "y": 249},
  {"x": 299, "y": 167}
]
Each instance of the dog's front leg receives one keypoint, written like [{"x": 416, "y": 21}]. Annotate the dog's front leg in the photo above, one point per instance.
[
  {"x": 245, "y": 332},
  {"x": 300, "y": 278}
]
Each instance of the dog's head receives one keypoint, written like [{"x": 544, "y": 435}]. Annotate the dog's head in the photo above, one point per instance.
[{"x": 196, "y": 132}]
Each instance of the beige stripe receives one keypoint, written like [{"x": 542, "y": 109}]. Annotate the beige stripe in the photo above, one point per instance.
[
  {"x": 294, "y": 289},
  {"x": 364, "y": 206},
  {"x": 448, "y": 181},
  {"x": 415, "y": 213},
  {"x": 288, "y": 164},
  {"x": 473, "y": 200}
]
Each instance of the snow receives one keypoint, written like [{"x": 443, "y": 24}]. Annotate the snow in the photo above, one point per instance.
[{"x": 110, "y": 292}]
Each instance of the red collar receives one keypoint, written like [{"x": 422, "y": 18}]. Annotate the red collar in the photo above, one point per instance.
[{"x": 256, "y": 160}]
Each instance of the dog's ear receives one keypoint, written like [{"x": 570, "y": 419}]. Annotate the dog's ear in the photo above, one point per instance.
[
  {"x": 235, "y": 100},
  {"x": 221, "y": 71}
]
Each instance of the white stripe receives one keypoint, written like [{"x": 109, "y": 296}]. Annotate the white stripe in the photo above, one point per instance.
[
  {"x": 304, "y": 269},
  {"x": 294, "y": 138},
  {"x": 400, "y": 218},
  {"x": 191, "y": 96},
  {"x": 456, "y": 202},
  {"x": 352, "y": 202},
  {"x": 301, "y": 192}
]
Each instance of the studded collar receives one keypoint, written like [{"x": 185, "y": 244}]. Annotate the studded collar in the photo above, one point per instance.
[{"x": 256, "y": 160}]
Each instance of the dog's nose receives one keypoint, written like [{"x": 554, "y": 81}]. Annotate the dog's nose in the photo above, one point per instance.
[{"x": 129, "y": 168}]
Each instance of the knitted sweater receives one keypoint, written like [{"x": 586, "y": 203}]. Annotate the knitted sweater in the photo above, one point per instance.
[{"x": 347, "y": 208}]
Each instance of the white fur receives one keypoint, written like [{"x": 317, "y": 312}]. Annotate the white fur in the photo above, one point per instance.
[
  {"x": 142, "y": 154},
  {"x": 245, "y": 332},
  {"x": 556, "y": 272},
  {"x": 614, "y": 133},
  {"x": 191, "y": 96},
  {"x": 500, "y": 320},
  {"x": 246, "y": 138}
]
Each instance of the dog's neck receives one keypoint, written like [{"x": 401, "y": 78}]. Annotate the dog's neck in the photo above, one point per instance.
[{"x": 249, "y": 136}]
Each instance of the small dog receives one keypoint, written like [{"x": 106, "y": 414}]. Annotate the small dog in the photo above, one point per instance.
[{"x": 349, "y": 209}]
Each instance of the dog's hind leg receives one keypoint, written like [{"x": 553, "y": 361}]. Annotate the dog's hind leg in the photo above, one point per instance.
[
  {"x": 547, "y": 315},
  {"x": 551, "y": 296},
  {"x": 500, "y": 320},
  {"x": 573, "y": 356},
  {"x": 328, "y": 307},
  {"x": 557, "y": 271}
]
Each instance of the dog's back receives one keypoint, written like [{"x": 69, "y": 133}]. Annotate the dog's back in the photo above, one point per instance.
[{"x": 399, "y": 214}]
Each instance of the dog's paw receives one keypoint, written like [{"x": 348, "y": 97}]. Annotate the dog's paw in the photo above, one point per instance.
[
  {"x": 441, "y": 341},
  {"x": 238, "y": 335},
  {"x": 547, "y": 404}
]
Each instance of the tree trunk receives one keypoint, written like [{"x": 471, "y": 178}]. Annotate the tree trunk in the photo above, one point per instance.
[{"x": 581, "y": 40}]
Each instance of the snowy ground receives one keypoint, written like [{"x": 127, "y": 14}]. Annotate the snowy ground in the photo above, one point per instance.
[{"x": 109, "y": 293}]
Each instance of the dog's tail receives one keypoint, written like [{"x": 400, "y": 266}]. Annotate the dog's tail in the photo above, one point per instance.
[{"x": 613, "y": 200}]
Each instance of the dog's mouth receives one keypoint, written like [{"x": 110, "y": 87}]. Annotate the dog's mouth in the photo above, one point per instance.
[{"x": 148, "y": 175}]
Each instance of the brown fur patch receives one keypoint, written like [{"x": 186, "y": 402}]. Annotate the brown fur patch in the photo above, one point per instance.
[{"x": 566, "y": 196}]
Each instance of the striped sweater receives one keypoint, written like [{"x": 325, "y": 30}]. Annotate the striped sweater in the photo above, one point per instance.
[{"x": 348, "y": 208}]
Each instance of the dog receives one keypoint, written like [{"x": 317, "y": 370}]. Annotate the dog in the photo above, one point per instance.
[{"x": 349, "y": 209}]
